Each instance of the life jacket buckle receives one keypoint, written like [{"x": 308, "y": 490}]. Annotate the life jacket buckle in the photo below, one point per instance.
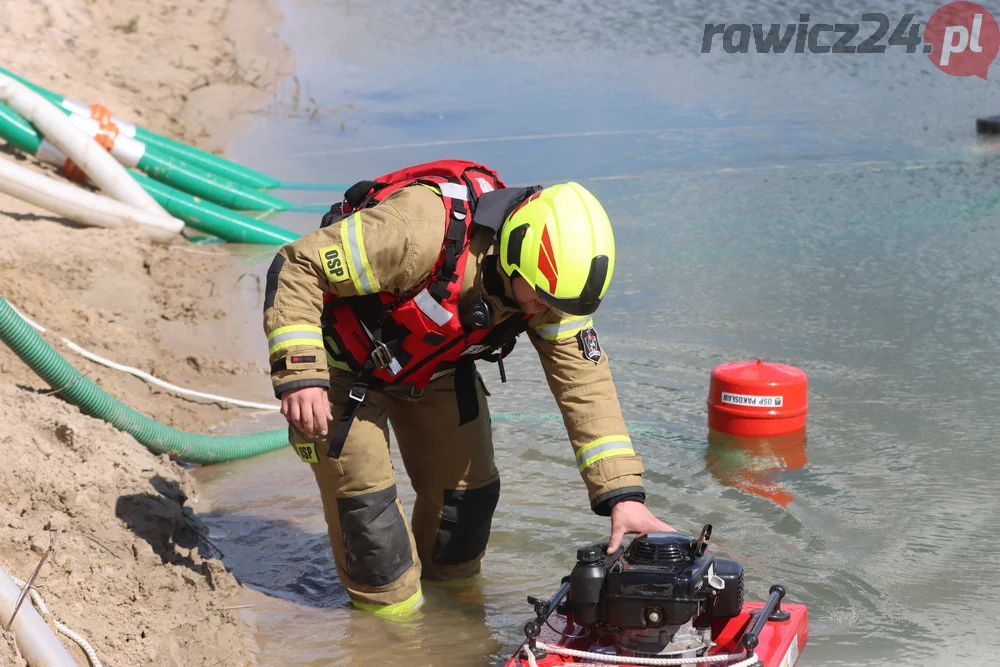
[
  {"x": 380, "y": 355},
  {"x": 383, "y": 358}
]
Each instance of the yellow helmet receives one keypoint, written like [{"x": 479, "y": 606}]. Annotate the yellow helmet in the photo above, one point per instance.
[{"x": 560, "y": 242}]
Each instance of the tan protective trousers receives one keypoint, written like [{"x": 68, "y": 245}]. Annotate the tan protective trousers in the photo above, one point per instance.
[{"x": 380, "y": 560}]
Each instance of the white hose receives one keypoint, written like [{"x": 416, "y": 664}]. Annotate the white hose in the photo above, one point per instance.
[
  {"x": 82, "y": 206},
  {"x": 36, "y": 642},
  {"x": 143, "y": 374},
  {"x": 39, "y": 602},
  {"x": 744, "y": 661},
  {"x": 87, "y": 154},
  {"x": 126, "y": 150},
  {"x": 166, "y": 385},
  {"x": 83, "y": 111}
]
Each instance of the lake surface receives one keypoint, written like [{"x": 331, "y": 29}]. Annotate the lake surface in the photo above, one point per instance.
[{"x": 833, "y": 212}]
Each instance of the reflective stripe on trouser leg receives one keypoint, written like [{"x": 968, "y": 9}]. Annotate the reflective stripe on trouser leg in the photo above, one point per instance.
[
  {"x": 372, "y": 544},
  {"x": 454, "y": 475}
]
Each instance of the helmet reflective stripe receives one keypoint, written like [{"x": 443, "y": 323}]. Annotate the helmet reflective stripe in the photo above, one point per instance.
[
  {"x": 602, "y": 448},
  {"x": 564, "y": 328},
  {"x": 354, "y": 247},
  {"x": 560, "y": 241}
]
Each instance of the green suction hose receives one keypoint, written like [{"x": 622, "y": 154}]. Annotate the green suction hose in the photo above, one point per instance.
[
  {"x": 18, "y": 132},
  {"x": 71, "y": 385},
  {"x": 194, "y": 448},
  {"x": 168, "y": 148},
  {"x": 213, "y": 219},
  {"x": 202, "y": 183}
]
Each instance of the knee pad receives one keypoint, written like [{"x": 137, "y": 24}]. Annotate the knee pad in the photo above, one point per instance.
[
  {"x": 376, "y": 540},
  {"x": 466, "y": 519}
]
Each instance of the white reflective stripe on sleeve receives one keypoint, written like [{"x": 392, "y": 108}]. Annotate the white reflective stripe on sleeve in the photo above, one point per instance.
[
  {"x": 352, "y": 237},
  {"x": 602, "y": 448},
  {"x": 128, "y": 151},
  {"x": 431, "y": 308},
  {"x": 564, "y": 329},
  {"x": 305, "y": 335},
  {"x": 454, "y": 191},
  {"x": 296, "y": 334}
]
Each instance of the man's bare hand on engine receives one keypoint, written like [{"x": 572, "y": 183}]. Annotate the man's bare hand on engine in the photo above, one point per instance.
[{"x": 630, "y": 516}]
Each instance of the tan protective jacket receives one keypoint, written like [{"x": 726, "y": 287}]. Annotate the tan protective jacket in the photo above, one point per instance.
[{"x": 392, "y": 247}]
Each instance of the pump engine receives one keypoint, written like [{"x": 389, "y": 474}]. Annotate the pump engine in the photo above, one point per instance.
[{"x": 659, "y": 597}]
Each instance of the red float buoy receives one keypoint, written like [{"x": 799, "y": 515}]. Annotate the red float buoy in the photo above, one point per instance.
[{"x": 757, "y": 398}]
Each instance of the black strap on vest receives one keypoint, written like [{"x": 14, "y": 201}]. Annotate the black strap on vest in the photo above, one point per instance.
[
  {"x": 356, "y": 195},
  {"x": 356, "y": 396},
  {"x": 502, "y": 339},
  {"x": 465, "y": 391},
  {"x": 334, "y": 215},
  {"x": 453, "y": 248}
]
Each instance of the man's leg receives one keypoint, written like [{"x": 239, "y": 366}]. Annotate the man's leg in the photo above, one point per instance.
[
  {"x": 372, "y": 544},
  {"x": 454, "y": 476}
]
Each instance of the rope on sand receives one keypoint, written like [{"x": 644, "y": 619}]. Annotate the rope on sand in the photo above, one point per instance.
[{"x": 39, "y": 602}]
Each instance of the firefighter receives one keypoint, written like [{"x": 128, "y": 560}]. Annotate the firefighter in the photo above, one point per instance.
[{"x": 380, "y": 314}]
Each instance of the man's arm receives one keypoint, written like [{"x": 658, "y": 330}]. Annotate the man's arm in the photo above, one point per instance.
[{"x": 579, "y": 375}]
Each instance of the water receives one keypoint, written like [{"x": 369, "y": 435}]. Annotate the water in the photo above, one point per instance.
[{"x": 835, "y": 213}]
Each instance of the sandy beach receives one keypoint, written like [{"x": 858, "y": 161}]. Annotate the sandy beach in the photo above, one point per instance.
[{"x": 131, "y": 569}]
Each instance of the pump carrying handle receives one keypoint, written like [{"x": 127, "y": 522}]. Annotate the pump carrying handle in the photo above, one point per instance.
[{"x": 771, "y": 611}]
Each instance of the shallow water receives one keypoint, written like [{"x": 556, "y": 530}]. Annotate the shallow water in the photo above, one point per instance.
[{"x": 835, "y": 213}]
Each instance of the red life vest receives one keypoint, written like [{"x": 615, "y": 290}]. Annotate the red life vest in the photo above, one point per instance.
[{"x": 421, "y": 329}]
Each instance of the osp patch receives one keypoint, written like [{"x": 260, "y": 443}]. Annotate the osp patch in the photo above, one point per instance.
[{"x": 334, "y": 266}]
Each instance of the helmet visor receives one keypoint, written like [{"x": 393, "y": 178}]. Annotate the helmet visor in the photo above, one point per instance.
[
  {"x": 590, "y": 296},
  {"x": 577, "y": 306}
]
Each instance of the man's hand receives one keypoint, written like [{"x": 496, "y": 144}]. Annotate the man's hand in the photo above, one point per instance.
[
  {"x": 308, "y": 410},
  {"x": 630, "y": 516}
]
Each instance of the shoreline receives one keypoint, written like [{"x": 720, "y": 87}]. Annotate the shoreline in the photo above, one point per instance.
[{"x": 131, "y": 569}]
